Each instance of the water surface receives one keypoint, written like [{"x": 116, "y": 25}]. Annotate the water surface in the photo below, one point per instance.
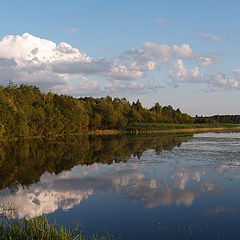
[{"x": 138, "y": 187}]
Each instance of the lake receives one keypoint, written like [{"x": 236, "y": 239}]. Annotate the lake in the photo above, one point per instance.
[{"x": 135, "y": 186}]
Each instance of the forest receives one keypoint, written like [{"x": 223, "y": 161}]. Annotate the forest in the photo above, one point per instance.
[
  {"x": 235, "y": 119},
  {"x": 26, "y": 111}
]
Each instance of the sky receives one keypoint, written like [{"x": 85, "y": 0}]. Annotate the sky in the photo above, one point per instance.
[{"x": 180, "y": 53}]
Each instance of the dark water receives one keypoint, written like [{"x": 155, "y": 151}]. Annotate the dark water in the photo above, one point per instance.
[{"x": 138, "y": 187}]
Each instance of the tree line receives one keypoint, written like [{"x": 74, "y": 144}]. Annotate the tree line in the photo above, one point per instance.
[
  {"x": 235, "y": 119},
  {"x": 26, "y": 111}
]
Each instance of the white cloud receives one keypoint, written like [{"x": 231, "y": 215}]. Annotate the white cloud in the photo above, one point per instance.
[
  {"x": 207, "y": 60},
  {"x": 88, "y": 84},
  {"x": 184, "y": 51},
  {"x": 119, "y": 85},
  {"x": 181, "y": 74},
  {"x": 221, "y": 80},
  {"x": 164, "y": 52},
  {"x": 195, "y": 72},
  {"x": 210, "y": 37},
  {"x": 237, "y": 73},
  {"x": 93, "y": 67},
  {"x": 28, "y": 49},
  {"x": 215, "y": 82},
  {"x": 122, "y": 72},
  {"x": 29, "y": 59},
  {"x": 85, "y": 87}
]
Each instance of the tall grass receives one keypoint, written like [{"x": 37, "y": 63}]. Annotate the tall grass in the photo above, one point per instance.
[
  {"x": 172, "y": 126},
  {"x": 41, "y": 229}
]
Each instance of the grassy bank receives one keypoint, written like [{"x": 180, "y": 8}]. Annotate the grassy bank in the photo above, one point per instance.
[
  {"x": 171, "y": 127},
  {"x": 40, "y": 229},
  {"x": 143, "y": 128}
]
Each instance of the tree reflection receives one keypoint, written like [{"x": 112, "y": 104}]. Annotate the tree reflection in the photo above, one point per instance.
[{"x": 23, "y": 162}]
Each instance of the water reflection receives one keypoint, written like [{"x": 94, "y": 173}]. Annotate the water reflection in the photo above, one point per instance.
[
  {"x": 34, "y": 175},
  {"x": 65, "y": 192},
  {"x": 177, "y": 177},
  {"x": 24, "y": 162}
]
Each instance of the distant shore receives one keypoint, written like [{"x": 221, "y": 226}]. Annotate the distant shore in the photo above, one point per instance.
[{"x": 116, "y": 132}]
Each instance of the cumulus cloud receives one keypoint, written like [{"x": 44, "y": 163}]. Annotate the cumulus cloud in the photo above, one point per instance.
[
  {"x": 210, "y": 37},
  {"x": 119, "y": 86},
  {"x": 62, "y": 68},
  {"x": 154, "y": 52},
  {"x": 28, "y": 49},
  {"x": 93, "y": 67},
  {"x": 216, "y": 81},
  {"x": 181, "y": 74},
  {"x": 123, "y": 72},
  {"x": 32, "y": 60},
  {"x": 29, "y": 59},
  {"x": 85, "y": 87},
  {"x": 87, "y": 84},
  {"x": 221, "y": 80},
  {"x": 208, "y": 60}
]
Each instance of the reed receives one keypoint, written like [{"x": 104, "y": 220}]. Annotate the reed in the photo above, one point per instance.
[
  {"x": 40, "y": 228},
  {"x": 174, "y": 126}
]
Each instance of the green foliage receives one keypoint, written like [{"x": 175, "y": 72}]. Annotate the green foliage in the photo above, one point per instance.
[
  {"x": 40, "y": 228},
  {"x": 235, "y": 119},
  {"x": 25, "y": 111},
  {"x": 118, "y": 113}
]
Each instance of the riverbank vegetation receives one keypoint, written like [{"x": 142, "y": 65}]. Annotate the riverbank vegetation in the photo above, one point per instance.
[
  {"x": 26, "y": 111},
  {"x": 147, "y": 127},
  {"x": 40, "y": 228}
]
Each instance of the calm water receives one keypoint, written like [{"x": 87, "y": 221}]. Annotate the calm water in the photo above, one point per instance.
[{"x": 138, "y": 187}]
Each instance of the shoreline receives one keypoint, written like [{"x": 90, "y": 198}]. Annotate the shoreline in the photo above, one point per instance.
[
  {"x": 189, "y": 130},
  {"x": 116, "y": 132},
  {"x": 121, "y": 131}
]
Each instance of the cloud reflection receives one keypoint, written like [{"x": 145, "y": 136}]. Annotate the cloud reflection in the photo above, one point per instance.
[{"x": 66, "y": 191}]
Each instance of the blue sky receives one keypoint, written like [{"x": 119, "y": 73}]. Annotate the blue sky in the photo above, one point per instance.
[{"x": 183, "y": 53}]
